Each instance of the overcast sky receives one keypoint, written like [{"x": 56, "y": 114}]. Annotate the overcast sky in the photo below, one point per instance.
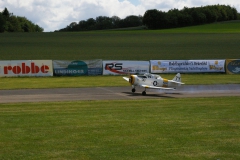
[{"x": 56, "y": 14}]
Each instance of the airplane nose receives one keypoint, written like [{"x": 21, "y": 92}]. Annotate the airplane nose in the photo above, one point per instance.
[{"x": 131, "y": 80}]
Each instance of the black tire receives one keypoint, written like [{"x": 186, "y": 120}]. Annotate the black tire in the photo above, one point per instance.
[
  {"x": 144, "y": 93},
  {"x": 133, "y": 90}
]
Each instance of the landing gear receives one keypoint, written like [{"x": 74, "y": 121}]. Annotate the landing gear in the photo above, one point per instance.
[
  {"x": 133, "y": 90},
  {"x": 144, "y": 92}
]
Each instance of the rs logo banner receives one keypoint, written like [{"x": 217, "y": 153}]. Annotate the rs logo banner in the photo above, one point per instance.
[{"x": 125, "y": 67}]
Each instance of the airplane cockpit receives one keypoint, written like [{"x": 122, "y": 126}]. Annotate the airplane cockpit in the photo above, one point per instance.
[{"x": 149, "y": 75}]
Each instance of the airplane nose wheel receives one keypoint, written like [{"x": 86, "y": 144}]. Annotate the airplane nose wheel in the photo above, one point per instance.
[
  {"x": 133, "y": 90},
  {"x": 144, "y": 93}
]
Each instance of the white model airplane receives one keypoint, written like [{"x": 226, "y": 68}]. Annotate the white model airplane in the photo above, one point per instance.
[{"x": 153, "y": 81}]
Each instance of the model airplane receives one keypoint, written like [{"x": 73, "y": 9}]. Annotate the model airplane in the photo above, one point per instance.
[{"x": 153, "y": 81}]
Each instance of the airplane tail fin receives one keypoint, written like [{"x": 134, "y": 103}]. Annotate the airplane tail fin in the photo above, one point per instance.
[{"x": 177, "y": 78}]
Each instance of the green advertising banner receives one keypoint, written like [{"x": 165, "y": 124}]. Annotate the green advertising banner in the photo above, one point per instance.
[{"x": 77, "y": 67}]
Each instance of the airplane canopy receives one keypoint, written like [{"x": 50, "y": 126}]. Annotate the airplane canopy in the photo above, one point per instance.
[{"x": 149, "y": 75}]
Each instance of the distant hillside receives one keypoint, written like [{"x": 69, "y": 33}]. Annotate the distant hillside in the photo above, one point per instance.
[
  {"x": 12, "y": 23},
  {"x": 217, "y": 27}
]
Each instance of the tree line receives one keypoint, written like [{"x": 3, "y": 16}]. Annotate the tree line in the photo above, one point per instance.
[
  {"x": 12, "y": 23},
  {"x": 152, "y": 19},
  {"x": 155, "y": 19},
  {"x": 104, "y": 22}
]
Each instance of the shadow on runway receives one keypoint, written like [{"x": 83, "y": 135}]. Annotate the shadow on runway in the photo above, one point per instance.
[{"x": 160, "y": 95}]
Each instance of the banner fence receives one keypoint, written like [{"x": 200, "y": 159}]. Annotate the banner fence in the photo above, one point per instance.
[{"x": 114, "y": 67}]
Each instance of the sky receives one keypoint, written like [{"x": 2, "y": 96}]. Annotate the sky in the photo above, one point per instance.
[{"x": 57, "y": 14}]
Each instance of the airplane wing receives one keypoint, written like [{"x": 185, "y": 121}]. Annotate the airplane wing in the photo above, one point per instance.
[
  {"x": 153, "y": 87},
  {"x": 127, "y": 79},
  {"x": 175, "y": 82}
]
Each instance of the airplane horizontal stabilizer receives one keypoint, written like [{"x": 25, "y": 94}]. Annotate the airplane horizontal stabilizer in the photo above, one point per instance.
[
  {"x": 153, "y": 87},
  {"x": 175, "y": 82}
]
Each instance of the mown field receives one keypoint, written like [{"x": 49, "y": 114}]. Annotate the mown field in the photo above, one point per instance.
[
  {"x": 188, "y": 128},
  {"x": 193, "y": 128},
  {"x": 215, "y": 41},
  {"x": 106, "y": 81}
]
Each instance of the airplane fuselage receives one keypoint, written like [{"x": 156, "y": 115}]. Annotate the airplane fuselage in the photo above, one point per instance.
[{"x": 151, "y": 81}]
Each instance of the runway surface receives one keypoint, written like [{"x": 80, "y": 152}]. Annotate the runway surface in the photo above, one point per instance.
[{"x": 115, "y": 93}]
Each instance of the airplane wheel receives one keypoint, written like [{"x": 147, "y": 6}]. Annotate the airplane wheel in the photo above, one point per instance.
[
  {"x": 133, "y": 90},
  {"x": 144, "y": 93}
]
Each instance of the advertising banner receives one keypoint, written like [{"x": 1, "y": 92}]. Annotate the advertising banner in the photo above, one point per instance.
[
  {"x": 125, "y": 67},
  {"x": 187, "y": 66},
  {"x": 26, "y": 68},
  {"x": 233, "y": 66},
  {"x": 77, "y": 67}
]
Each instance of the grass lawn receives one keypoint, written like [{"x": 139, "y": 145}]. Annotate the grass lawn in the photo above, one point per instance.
[
  {"x": 188, "y": 128},
  {"x": 211, "y": 41},
  {"x": 103, "y": 81}
]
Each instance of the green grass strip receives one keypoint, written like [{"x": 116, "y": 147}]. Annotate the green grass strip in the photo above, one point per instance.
[
  {"x": 188, "y": 128},
  {"x": 107, "y": 81}
]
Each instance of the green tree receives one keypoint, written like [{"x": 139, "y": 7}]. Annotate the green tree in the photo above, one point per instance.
[
  {"x": 12, "y": 23},
  {"x": 173, "y": 17},
  {"x": 6, "y": 13},
  {"x": 91, "y": 24},
  {"x": 38, "y": 28},
  {"x": 151, "y": 18},
  {"x": 116, "y": 21},
  {"x": 199, "y": 17},
  {"x": 82, "y": 25},
  {"x": 2, "y": 22},
  {"x": 103, "y": 22},
  {"x": 133, "y": 21}
]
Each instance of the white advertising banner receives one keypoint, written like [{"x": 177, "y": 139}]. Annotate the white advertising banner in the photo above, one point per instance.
[
  {"x": 125, "y": 67},
  {"x": 26, "y": 68},
  {"x": 186, "y": 66}
]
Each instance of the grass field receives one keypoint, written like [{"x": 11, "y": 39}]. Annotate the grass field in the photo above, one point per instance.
[
  {"x": 188, "y": 128},
  {"x": 104, "y": 81},
  {"x": 213, "y": 41},
  {"x": 219, "y": 27},
  {"x": 197, "y": 128}
]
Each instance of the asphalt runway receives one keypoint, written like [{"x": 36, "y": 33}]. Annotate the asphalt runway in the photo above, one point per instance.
[{"x": 115, "y": 93}]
